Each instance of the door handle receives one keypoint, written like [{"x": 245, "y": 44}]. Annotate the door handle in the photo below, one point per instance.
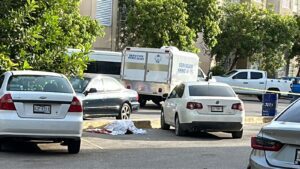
[
  {"x": 245, "y": 82},
  {"x": 261, "y": 83}
]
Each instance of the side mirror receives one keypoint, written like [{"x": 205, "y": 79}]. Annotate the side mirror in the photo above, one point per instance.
[
  {"x": 209, "y": 76},
  {"x": 92, "y": 90},
  {"x": 165, "y": 95}
]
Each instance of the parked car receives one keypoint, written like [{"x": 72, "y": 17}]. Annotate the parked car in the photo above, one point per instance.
[
  {"x": 254, "y": 82},
  {"x": 203, "y": 106},
  {"x": 38, "y": 105},
  {"x": 105, "y": 96},
  {"x": 277, "y": 145}
]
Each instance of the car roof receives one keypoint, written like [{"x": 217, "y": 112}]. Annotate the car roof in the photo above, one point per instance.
[
  {"x": 95, "y": 75},
  {"x": 32, "y": 72},
  {"x": 206, "y": 83}
]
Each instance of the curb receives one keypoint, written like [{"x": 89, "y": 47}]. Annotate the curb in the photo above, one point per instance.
[{"x": 155, "y": 123}]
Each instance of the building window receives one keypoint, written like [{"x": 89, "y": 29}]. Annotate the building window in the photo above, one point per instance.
[
  {"x": 104, "y": 12},
  {"x": 286, "y": 4}
]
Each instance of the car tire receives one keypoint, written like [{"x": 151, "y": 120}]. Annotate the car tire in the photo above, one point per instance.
[
  {"x": 259, "y": 98},
  {"x": 125, "y": 112},
  {"x": 178, "y": 129},
  {"x": 237, "y": 134},
  {"x": 163, "y": 124},
  {"x": 142, "y": 102},
  {"x": 74, "y": 146}
]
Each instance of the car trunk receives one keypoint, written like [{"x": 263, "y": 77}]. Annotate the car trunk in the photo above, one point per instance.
[
  {"x": 46, "y": 105},
  {"x": 288, "y": 134},
  {"x": 216, "y": 105}
]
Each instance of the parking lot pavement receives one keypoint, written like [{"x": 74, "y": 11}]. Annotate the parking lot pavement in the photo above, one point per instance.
[{"x": 156, "y": 149}]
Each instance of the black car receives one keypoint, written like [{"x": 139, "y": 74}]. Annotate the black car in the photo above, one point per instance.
[{"x": 105, "y": 96}]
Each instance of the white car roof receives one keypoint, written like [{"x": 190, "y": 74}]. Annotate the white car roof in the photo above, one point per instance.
[
  {"x": 31, "y": 72},
  {"x": 206, "y": 83}
]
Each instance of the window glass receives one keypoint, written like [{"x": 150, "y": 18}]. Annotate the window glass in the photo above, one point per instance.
[
  {"x": 241, "y": 75},
  {"x": 210, "y": 90},
  {"x": 1, "y": 80},
  {"x": 79, "y": 84},
  {"x": 229, "y": 73},
  {"x": 173, "y": 94},
  {"x": 291, "y": 114},
  {"x": 111, "y": 84},
  {"x": 101, "y": 67},
  {"x": 256, "y": 75},
  {"x": 97, "y": 84},
  {"x": 180, "y": 91},
  {"x": 38, "y": 83}
]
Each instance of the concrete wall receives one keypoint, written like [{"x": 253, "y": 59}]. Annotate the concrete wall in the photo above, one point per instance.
[{"x": 108, "y": 42}]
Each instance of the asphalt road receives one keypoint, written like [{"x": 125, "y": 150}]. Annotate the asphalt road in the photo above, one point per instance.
[{"x": 156, "y": 149}]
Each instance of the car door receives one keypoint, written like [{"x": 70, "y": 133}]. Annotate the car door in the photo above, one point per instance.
[
  {"x": 240, "y": 82},
  {"x": 169, "y": 105},
  {"x": 93, "y": 102},
  {"x": 176, "y": 102},
  {"x": 256, "y": 81},
  {"x": 114, "y": 95}
]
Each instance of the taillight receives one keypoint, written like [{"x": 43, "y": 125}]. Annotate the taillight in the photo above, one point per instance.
[
  {"x": 6, "y": 103},
  {"x": 260, "y": 143},
  {"x": 75, "y": 105},
  {"x": 137, "y": 97},
  {"x": 237, "y": 106},
  {"x": 194, "y": 105}
]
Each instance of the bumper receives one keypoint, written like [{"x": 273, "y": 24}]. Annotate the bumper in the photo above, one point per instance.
[
  {"x": 190, "y": 117},
  {"x": 135, "y": 106},
  {"x": 212, "y": 126},
  {"x": 11, "y": 125}
]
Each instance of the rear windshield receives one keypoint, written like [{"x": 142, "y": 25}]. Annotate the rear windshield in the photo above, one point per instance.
[
  {"x": 210, "y": 90},
  {"x": 37, "y": 83},
  {"x": 79, "y": 84},
  {"x": 292, "y": 114}
]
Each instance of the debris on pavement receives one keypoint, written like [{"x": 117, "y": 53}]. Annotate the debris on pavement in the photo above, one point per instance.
[{"x": 119, "y": 127}]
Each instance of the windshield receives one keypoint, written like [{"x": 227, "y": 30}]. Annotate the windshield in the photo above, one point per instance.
[
  {"x": 37, "y": 83},
  {"x": 79, "y": 84},
  {"x": 229, "y": 73},
  {"x": 209, "y": 90}
]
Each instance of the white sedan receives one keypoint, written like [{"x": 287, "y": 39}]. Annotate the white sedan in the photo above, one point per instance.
[
  {"x": 203, "y": 106},
  {"x": 42, "y": 106}
]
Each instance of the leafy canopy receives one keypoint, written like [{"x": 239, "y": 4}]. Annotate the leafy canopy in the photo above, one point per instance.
[{"x": 35, "y": 34}]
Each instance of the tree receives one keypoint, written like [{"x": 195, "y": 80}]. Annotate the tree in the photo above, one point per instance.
[
  {"x": 295, "y": 51},
  {"x": 257, "y": 34},
  {"x": 35, "y": 34},
  {"x": 204, "y": 17},
  {"x": 156, "y": 23}
]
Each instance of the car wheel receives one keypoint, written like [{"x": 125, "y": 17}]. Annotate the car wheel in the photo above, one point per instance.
[
  {"x": 124, "y": 112},
  {"x": 142, "y": 102},
  {"x": 178, "y": 129},
  {"x": 74, "y": 146},
  {"x": 259, "y": 98},
  {"x": 237, "y": 134},
  {"x": 163, "y": 124}
]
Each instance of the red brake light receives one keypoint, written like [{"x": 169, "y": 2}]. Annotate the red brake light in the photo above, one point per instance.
[
  {"x": 6, "y": 103},
  {"x": 260, "y": 143},
  {"x": 137, "y": 97},
  {"x": 75, "y": 105},
  {"x": 194, "y": 105},
  {"x": 237, "y": 106}
]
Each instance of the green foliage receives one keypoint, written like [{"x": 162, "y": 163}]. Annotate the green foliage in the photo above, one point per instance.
[
  {"x": 204, "y": 17},
  {"x": 156, "y": 23},
  {"x": 218, "y": 70},
  {"x": 35, "y": 34},
  {"x": 256, "y": 34}
]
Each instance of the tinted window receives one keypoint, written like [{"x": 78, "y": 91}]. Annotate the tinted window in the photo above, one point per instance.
[
  {"x": 209, "y": 90},
  {"x": 291, "y": 114},
  {"x": 242, "y": 75},
  {"x": 104, "y": 67},
  {"x": 230, "y": 73},
  {"x": 256, "y": 75},
  {"x": 1, "y": 81},
  {"x": 173, "y": 94},
  {"x": 79, "y": 84},
  {"x": 180, "y": 91},
  {"x": 39, "y": 84},
  {"x": 111, "y": 84}
]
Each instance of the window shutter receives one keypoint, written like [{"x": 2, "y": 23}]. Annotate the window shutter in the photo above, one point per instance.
[{"x": 104, "y": 12}]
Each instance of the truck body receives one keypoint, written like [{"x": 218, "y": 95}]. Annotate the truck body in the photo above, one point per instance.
[
  {"x": 254, "y": 82},
  {"x": 153, "y": 72}
]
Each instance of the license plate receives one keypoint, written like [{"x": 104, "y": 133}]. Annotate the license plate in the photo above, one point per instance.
[
  {"x": 216, "y": 108},
  {"x": 41, "y": 109},
  {"x": 297, "y": 158}
]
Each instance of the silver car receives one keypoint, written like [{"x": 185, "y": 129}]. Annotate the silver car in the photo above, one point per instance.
[
  {"x": 38, "y": 105},
  {"x": 278, "y": 144}
]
